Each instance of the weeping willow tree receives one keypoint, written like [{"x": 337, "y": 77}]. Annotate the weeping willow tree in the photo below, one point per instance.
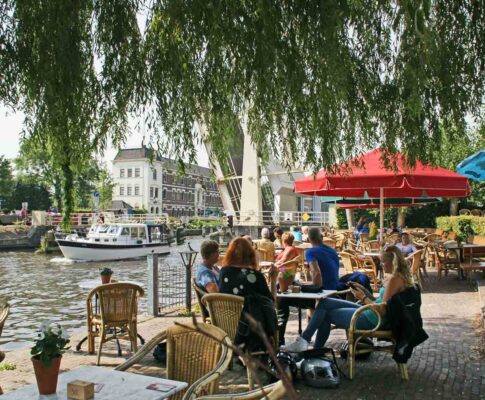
[{"x": 311, "y": 81}]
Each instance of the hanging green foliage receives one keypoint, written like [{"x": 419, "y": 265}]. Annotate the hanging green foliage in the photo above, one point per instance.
[{"x": 311, "y": 81}]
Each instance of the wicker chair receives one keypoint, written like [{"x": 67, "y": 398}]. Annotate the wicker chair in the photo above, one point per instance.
[
  {"x": 366, "y": 265},
  {"x": 464, "y": 211},
  {"x": 275, "y": 391},
  {"x": 476, "y": 213},
  {"x": 446, "y": 259},
  {"x": 372, "y": 246},
  {"x": 118, "y": 306},
  {"x": 199, "y": 293},
  {"x": 415, "y": 259},
  {"x": 192, "y": 357},
  {"x": 225, "y": 312},
  {"x": 355, "y": 335},
  {"x": 4, "y": 310},
  {"x": 329, "y": 242}
]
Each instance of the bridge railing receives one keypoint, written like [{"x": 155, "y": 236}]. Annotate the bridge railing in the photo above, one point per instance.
[{"x": 281, "y": 218}]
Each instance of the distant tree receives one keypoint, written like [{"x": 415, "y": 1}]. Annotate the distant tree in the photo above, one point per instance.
[
  {"x": 37, "y": 195},
  {"x": 105, "y": 186},
  {"x": 6, "y": 181}
]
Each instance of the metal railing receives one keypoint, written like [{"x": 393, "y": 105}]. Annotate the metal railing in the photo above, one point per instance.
[
  {"x": 281, "y": 218},
  {"x": 174, "y": 280}
]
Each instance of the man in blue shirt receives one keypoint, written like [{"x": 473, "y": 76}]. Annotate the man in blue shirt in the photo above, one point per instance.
[
  {"x": 324, "y": 265},
  {"x": 207, "y": 276}
]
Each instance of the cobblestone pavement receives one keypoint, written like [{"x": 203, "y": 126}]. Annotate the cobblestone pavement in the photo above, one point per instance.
[{"x": 449, "y": 365}]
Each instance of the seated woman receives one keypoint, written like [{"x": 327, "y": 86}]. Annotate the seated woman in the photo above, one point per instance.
[
  {"x": 289, "y": 252},
  {"x": 339, "y": 312},
  {"x": 239, "y": 274}
]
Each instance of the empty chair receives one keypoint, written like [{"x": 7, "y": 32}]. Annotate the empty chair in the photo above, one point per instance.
[
  {"x": 476, "y": 213},
  {"x": 464, "y": 211},
  {"x": 415, "y": 260},
  {"x": 115, "y": 309},
  {"x": 196, "y": 354}
]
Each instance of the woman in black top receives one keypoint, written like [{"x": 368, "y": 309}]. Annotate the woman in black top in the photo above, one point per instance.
[{"x": 239, "y": 275}]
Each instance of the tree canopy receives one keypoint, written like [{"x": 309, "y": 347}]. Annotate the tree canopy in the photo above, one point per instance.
[{"x": 312, "y": 81}]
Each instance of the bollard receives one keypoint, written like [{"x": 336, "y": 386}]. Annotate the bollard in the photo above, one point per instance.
[
  {"x": 152, "y": 285},
  {"x": 188, "y": 259}
]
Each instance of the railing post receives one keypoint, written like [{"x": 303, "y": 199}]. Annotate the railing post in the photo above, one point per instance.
[
  {"x": 188, "y": 259},
  {"x": 152, "y": 285}
]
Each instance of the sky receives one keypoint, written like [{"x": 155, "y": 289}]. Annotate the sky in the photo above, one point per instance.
[{"x": 11, "y": 128}]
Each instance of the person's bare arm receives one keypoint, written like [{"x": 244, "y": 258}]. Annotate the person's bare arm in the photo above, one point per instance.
[
  {"x": 317, "y": 279},
  {"x": 211, "y": 287}
]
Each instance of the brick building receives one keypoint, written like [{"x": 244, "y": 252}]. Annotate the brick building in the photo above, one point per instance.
[{"x": 157, "y": 187}]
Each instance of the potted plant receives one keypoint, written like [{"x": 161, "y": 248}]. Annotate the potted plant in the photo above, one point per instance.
[
  {"x": 46, "y": 356},
  {"x": 106, "y": 275},
  {"x": 285, "y": 279}
]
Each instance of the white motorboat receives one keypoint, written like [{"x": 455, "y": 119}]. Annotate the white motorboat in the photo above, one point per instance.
[{"x": 116, "y": 241}]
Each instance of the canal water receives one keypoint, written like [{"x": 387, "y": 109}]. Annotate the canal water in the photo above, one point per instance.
[{"x": 50, "y": 288}]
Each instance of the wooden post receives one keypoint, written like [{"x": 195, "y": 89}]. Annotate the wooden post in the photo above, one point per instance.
[{"x": 152, "y": 285}]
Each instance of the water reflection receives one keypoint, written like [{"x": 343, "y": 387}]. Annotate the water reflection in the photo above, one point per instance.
[{"x": 46, "y": 287}]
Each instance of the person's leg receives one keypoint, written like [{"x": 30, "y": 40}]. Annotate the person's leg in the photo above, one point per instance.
[
  {"x": 341, "y": 318},
  {"x": 318, "y": 318},
  {"x": 283, "y": 312}
]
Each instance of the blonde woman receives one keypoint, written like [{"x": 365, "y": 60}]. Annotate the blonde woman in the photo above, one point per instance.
[
  {"x": 289, "y": 252},
  {"x": 339, "y": 312}
]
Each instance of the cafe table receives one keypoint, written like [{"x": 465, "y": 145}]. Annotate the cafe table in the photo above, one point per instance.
[
  {"x": 109, "y": 385},
  {"x": 305, "y": 296}
]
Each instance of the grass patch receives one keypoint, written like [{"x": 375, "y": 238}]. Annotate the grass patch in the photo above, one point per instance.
[{"x": 6, "y": 366}]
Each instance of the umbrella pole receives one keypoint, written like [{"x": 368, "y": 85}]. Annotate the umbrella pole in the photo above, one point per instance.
[{"x": 381, "y": 215}]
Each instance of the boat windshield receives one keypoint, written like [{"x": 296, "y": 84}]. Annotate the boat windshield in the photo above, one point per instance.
[
  {"x": 113, "y": 230},
  {"x": 103, "y": 228}
]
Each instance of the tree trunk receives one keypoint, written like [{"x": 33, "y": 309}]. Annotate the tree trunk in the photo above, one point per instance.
[
  {"x": 401, "y": 217},
  {"x": 453, "y": 206},
  {"x": 350, "y": 218}
]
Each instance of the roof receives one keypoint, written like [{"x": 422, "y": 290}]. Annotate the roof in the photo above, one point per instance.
[
  {"x": 119, "y": 205},
  {"x": 146, "y": 153}
]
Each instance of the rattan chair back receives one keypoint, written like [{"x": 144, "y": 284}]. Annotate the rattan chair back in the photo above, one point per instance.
[
  {"x": 196, "y": 354},
  {"x": 347, "y": 261},
  {"x": 275, "y": 391},
  {"x": 224, "y": 311},
  {"x": 199, "y": 293}
]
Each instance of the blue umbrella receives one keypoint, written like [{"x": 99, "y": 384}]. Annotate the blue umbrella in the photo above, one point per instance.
[{"x": 473, "y": 167}]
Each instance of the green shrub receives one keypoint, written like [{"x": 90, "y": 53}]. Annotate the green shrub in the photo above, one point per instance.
[
  {"x": 137, "y": 211},
  {"x": 464, "y": 225}
]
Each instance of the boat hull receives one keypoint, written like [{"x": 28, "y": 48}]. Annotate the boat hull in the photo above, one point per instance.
[{"x": 84, "y": 251}]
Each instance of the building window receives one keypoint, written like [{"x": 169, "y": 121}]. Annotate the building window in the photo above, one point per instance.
[
  {"x": 151, "y": 192},
  {"x": 122, "y": 190},
  {"x": 128, "y": 191},
  {"x": 156, "y": 193},
  {"x": 164, "y": 193},
  {"x": 122, "y": 173},
  {"x": 137, "y": 172},
  {"x": 130, "y": 172},
  {"x": 137, "y": 190},
  {"x": 154, "y": 173}
]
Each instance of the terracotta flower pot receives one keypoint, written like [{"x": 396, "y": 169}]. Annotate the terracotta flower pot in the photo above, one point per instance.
[
  {"x": 46, "y": 377},
  {"x": 284, "y": 283},
  {"x": 105, "y": 279}
]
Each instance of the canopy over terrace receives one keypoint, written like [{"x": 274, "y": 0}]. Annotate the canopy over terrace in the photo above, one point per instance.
[{"x": 367, "y": 176}]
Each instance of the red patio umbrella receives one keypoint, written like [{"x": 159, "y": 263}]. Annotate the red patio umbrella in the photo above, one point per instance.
[{"x": 374, "y": 180}]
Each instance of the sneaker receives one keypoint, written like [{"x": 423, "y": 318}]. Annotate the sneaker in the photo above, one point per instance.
[{"x": 297, "y": 346}]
